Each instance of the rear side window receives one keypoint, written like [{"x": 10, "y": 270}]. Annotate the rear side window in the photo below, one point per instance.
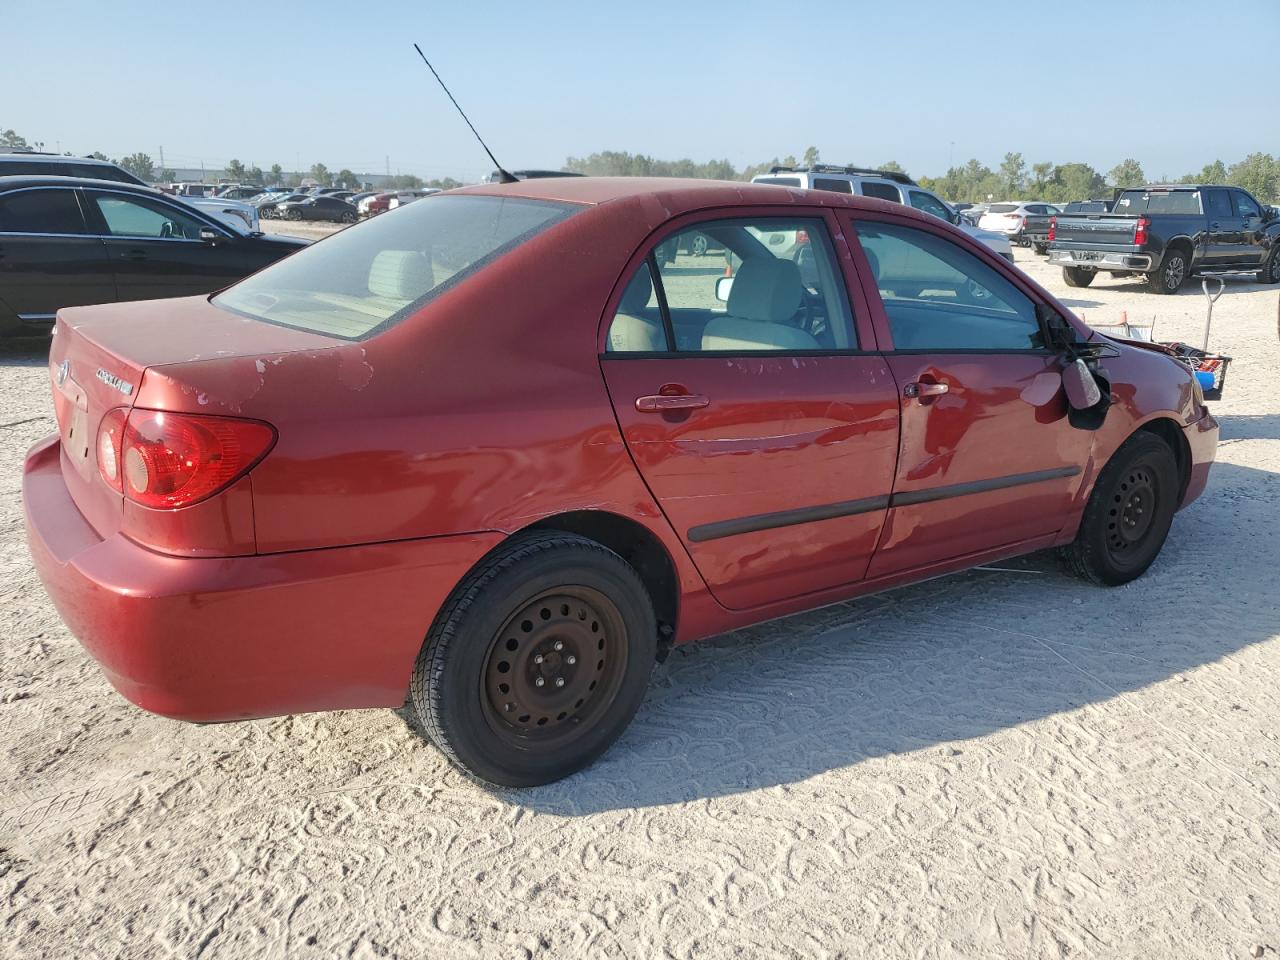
[
  {"x": 1136, "y": 202},
  {"x": 41, "y": 211},
  {"x": 1002, "y": 208},
  {"x": 835, "y": 186},
  {"x": 938, "y": 296},
  {"x": 780, "y": 181},
  {"x": 1219, "y": 203},
  {"x": 881, "y": 191},
  {"x": 361, "y": 280}
]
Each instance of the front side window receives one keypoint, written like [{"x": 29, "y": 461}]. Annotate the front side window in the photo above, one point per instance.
[
  {"x": 361, "y": 280},
  {"x": 765, "y": 284},
  {"x": 139, "y": 217},
  {"x": 1245, "y": 205},
  {"x": 41, "y": 211},
  {"x": 930, "y": 204},
  {"x": 940, "y": 297}
]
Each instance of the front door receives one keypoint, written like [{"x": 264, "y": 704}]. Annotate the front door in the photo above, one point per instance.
[
  {"x": 767, "y": 436},
  {"x": 987, "y": 456},
  {"x": 155, "y": 247},
  {"x": 1250, "y": 252},
  {"x": 48, "y": 259}
]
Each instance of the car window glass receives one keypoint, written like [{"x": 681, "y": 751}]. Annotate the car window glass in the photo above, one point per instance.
[
  {"x": 835, "y": 186},
  {"x": 1245, "y": 207},
  {"x": 1219, "y": 203},
  {"x": 939, "y": 296},
  {"x": 360, "y": 281},
  {"x": 637, "y": 325},
  {"x": 1002, "y": 208},
  {"x": 1135, "y": 202},
  {"x": 137, "y": 217},
  {"x": 929, "y": 204},
  {"x": 780, "y": 181},
  {"x": 41, "y": 211},
  {"x": 754, "y": 284},
  {"x": 881, "y": 191}
]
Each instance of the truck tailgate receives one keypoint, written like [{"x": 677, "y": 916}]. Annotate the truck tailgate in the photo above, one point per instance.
[{"x": 1096, "y": 228}]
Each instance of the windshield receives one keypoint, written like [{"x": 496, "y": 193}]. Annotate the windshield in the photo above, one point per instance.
[
  {"x": 369, "y": 277},
  {"x": 1133, "y": 202}
]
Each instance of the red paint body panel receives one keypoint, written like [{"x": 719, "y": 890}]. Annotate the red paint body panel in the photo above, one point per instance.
[{"x": 403, "y": 459}]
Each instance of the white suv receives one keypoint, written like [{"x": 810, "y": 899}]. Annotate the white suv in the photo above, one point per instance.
[{"x": 883, "y": 185}]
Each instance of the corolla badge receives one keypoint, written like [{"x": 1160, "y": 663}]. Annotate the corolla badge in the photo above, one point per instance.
[
  {"x": 64, "y": 371},
  {"x": 111, "y": 380}
]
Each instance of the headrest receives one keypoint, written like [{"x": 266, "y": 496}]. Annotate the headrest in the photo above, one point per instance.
[
  {"x": 766, "y": 289},
  {"x": 636, "y": 297},
  {"x": 400, "y": 275}
]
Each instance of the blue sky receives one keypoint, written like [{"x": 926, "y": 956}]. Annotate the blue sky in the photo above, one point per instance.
[{"x": 300, "y": 82}]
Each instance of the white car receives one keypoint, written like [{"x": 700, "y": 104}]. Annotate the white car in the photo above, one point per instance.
[
  {"x": 240, "y": 216},
  {"x": 1011, "y": 218},
  {"x": 884, "y": 185}
]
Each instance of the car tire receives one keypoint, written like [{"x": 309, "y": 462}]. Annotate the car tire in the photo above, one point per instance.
[
  {"x": 1129, "y": 513},
  {"x": 1270, "y": 272},
  {"x": 1077, "y": 276},
  {"x": 698, "y": 246},
  {"x": 295, "y": 214},
  {"x": 546, "y": 606},
  {"x": 1172, "y": 273},
  {"x": 348, "y": 217},
  {"x": 1042, "y": 248}
]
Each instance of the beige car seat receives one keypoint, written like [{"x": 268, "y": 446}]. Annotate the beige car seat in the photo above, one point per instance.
[{"x": 766, "y": 295}]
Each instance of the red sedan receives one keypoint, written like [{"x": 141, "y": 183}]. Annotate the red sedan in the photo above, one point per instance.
[{"x": 489, "y": 451}]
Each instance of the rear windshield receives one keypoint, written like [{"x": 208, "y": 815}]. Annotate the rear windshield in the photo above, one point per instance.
[
  {"x": 1134, "y": 202},
  {"x": 1002, "y": 208},
  {"x": 780, "y": 181},
  {"x": 366, "y": 278}
]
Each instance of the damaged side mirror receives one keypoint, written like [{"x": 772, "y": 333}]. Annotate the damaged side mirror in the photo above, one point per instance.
[{"x": 1085, "y": 383}]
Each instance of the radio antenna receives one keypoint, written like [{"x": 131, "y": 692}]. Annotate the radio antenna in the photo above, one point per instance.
[{"x": 503, "y": 175}]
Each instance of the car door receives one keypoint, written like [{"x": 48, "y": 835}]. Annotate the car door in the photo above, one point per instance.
[
  {"x": 49, "y": 257},
  {"x": 987, "y": 456},
  {"x": 756, "y": 409},
  {"x": 1224, "y": 235},
  {"x": 1251, "y": 251},
  {"x": 156, "y": 250}
]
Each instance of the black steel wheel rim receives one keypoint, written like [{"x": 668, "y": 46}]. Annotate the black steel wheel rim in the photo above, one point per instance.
[
  {"x": 554, "y": 668},
  {"x": 1132, "y": 512}
]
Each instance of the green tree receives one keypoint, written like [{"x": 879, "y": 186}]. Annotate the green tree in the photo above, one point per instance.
[
  {"x": 1041, "y": 175},
  {"x": 406, "y": 181},
  {"x": 236, "y": 170},
  {"x": 811, "y": 156},
  {"x": 1013, "y": 174},
  {"x": 345, "y": 178},
  {"x": 444, "y": 183},
  {"x": 1259, "y": 173},
  {"x": 164, "y": 175},
  {"x": 890, "y": 166},
  {"x": 320, "y": 173},
  {"x": 1215, "y": 172},
  {"x": 10, "y": 138},
  {"x": 254, "y": 175},
  {"x": 1127, "y": 173},
  {"x": 276, "y": 175},
  {"x": 140, "y": 165},
  {"x": 99, "y": 155}
]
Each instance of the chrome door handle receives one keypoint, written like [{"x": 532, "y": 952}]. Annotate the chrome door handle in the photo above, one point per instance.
[
  {"x": 918, "y": 389},
  {"x": 660, "y": 403}
]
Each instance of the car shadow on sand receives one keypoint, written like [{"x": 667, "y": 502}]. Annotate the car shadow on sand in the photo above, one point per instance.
[
  {"x": 1235, "y": 426},
  {"x": 935, "y": 664}
]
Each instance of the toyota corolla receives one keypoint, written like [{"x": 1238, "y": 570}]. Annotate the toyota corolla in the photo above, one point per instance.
[{"x": 489, "y": 452}]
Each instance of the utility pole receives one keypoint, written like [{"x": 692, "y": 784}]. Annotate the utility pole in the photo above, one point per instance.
[{"x": 161, "y": 157}]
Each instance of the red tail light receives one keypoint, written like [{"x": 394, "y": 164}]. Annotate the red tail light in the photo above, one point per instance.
[
  {"x": 1140, "y": 230},
  {"x": 1053, "y": 228},
  {"x": 168, "y": 460},
  {"x": 802, "y": 236},
  {"x": 110, "y": 443}
]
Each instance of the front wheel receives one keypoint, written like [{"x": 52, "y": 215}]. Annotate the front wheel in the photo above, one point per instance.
[
  {"x": 538, "y": 660},
  {"x": 348, "y": 217},
  {"x": 295, "y": 214},
  {"x": 1128, "y": 515},
  {"x": 1077, "y": 276},
  {"x": 1171, "y": 275},
  {"x": 1270, "y": 272}
]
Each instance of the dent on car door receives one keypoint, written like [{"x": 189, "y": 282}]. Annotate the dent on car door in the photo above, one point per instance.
[
  {"x": 987, "y": 456},
  {"x": 49, "y": 258},
  {"x": 766, "y": 437}
]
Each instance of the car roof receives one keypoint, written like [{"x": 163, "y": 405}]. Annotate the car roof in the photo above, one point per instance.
[
  {"x": 54, "y": 158},
  {"x": 677, "y": 195},
  {"x": 48, "y": 180}
]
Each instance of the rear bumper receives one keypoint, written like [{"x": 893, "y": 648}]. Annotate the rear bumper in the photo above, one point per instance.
[
  {"x": 1100, "y": 260},
  {"x": 1202, "y": 439},
  {"x": 233, "y": 638}
]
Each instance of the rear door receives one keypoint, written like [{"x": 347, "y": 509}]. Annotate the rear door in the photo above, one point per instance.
[
  {"x": 49, "y": 258},
  {"x": 765, "y": 424},
  {"x": 987, "y": 457},
  {"x": 155, "y": 248}
]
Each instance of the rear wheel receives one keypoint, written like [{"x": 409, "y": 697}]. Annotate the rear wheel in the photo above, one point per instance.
[
  {"x": 1077, "y": 276},
  {"x": 538, "y": 661},
  {"x": 349, "y": 217},
  {"x": 1172, "y": 273},
  {"x": 699, "y": 245},
  {"x": 1128, "y": 515},
  {"x": 1042, "y": 248}
]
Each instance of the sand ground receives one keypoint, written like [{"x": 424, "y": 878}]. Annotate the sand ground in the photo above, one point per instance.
[{"x": 1003, "y": 763}]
